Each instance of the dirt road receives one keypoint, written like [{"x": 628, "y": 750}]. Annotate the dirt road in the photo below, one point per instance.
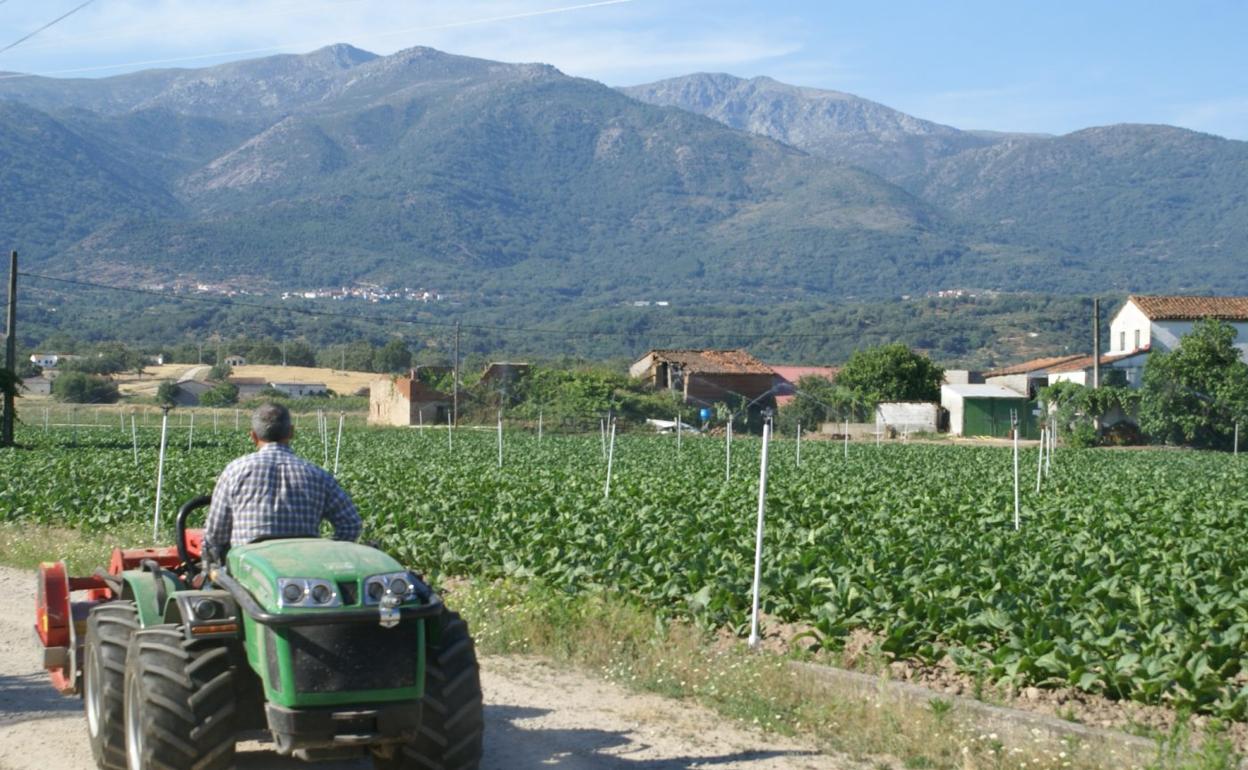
[{"x": 536, "y": 716}]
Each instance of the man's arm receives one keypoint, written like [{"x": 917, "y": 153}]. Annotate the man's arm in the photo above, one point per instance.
[
  {"x": 220, "y": 514},
  {"x": 340, "y": 512}
]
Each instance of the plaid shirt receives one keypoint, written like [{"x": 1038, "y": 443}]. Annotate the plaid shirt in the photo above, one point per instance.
[{"x": 274, "y": 492}]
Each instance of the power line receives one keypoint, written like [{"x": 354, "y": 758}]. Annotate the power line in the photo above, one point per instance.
[
  {"x": 52, "y": 23},
  {"x": 495, "y": 329}
]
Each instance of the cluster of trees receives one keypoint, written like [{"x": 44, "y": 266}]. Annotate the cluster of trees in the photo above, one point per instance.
[{"x": 872, "y": 375}]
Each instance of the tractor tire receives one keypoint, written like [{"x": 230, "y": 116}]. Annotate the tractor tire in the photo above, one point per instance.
[
  {"x": 451, "y": 721},
  {"x": 180, "y": 702},
  {"x": 109, "y": 628}
]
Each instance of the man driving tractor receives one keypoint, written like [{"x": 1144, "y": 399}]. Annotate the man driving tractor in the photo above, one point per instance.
[{"x": 273, "y": 492}]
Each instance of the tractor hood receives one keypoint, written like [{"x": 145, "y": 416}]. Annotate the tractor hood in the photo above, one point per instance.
[{"x": 257, "y": 566}]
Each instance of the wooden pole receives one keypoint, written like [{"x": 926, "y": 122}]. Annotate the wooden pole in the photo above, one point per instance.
[{"x": 10, "y": 353}]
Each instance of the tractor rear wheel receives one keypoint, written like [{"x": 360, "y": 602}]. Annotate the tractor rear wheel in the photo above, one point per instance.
[
  {"x": 180, "y": 702},
  {"x": 109, "y": 628},
  {"x": 451, "y": 722}
]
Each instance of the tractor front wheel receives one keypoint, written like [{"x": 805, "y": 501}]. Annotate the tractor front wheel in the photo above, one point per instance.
[
  {"x": 451, "y": 722},
  {"x": 180, "y": 702},
  {"x": 109, "y": 628}
]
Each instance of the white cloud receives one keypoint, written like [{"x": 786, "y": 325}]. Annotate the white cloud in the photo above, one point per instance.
[{"x": 620, "y": 43}]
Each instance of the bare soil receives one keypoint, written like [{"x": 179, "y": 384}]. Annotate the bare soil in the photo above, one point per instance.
[{"x": 536, "y": 716}]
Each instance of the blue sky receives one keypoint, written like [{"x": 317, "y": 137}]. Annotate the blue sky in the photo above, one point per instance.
[{"x": 1008, "y": 65}]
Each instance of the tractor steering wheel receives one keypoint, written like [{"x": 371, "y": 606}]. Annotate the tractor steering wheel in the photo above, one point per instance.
[{"x": 184, "y": 553}]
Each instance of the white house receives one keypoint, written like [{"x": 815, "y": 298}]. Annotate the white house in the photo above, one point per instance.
[
  {"x": 1028, "y": 377},
  {"x": 300, "y": 389},
  {"x": 1116, "y": 369},
  {"x": 48, "y": 360},
  {"x": 234, "y": 361},
  {"x": 1159, "y": 323}
]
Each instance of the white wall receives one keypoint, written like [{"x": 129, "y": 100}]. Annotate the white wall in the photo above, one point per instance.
[
  {"x": 953, "y": 402},
  {"x": 1123, "y": 327},
  {"x": 907, "y": 417},
  {"x": 1168, "y": 334}
]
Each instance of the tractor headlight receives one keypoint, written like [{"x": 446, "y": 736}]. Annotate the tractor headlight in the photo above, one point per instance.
[
  {"x": 376, "y": 590},
  {"x": 292, "y": 593},
  {"x": 398, "y": 584},
  {"x": 307, "y": 592},
  {"x": 207, "y": 609}
]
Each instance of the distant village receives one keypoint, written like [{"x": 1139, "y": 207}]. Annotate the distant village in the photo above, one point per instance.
[{"x": 367, "y": 292}]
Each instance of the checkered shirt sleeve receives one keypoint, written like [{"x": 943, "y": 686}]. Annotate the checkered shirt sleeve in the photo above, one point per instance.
[{"x": 274, "y": 492}]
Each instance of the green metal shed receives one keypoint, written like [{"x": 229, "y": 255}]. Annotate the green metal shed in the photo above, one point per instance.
[{"x": 985, "y": 410}]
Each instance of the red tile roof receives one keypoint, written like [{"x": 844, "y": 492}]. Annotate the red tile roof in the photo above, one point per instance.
[
  {"x": 1034, "y": 365},
  {"x": 1085, "y": 362},
  {"x": 713, "y": 361},
  {"x": 1192, "y": 308},
  {"x": 795, "y": 373}
]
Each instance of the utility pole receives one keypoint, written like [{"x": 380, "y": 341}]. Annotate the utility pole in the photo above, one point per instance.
[
  {"x": 10, "y": 353},
  {"x": 1096, "y": 342},
  {"x": 455, "y": 380}
]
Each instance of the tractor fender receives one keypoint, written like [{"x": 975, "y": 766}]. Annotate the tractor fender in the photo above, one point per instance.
[{"x": 152, "y": 592}]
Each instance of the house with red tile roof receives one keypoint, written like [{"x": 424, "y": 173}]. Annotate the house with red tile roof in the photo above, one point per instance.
[
  {"x": 1159, "y": 322},
  {"x": 706, "y": 376}
]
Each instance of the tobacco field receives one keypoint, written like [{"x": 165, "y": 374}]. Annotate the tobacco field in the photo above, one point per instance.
[{"x": 1128, "y": 577}]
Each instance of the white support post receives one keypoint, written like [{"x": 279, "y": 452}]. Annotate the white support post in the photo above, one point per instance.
[
  {"x": 160, "y": 472},
  {"x": 847, "y": 439},
  {"x": 1044, "y": 437},
  {"x": 606, "y": 493},
  {"x": 45, "y": 419},
  {"x": 134, "y": 436},
  {"x": 758, "y": 536},
  {"x": 235, "y": 419},
  {"x": 678, "y": 431},
  {"x": 539, "y": 427},
  {"x": 342, "y": 416},
  {"x": 799, "y": 445},
  {"x": 602, "y": 434},
  {"x": 190, "y": 434},
  {"x": 121, "y": 418},
  {"x": 1236, "y": 454},
  {"x": 728, "y": 452},
  {"x": 1014, "y": 422},
  {"x": 215, "y": 414},
  {"x": 500, "y": 438},
  {"x": 450, "y": 436}
]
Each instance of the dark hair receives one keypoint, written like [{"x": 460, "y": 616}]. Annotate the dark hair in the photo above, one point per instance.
[{"x": 271, "y": 422}]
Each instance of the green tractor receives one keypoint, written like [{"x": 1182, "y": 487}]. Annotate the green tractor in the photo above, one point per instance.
[{"x": 333, "y": 649}]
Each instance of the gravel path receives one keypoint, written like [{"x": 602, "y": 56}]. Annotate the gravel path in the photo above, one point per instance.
[{"x": 536, "y": 716}]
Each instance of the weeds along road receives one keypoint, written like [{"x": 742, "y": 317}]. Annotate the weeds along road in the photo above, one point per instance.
[{"x": 536, "y": 717}]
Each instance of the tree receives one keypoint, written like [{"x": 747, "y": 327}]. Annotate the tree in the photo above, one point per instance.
[
  {"x": 1196, "y": 393},
  {"x": 220, "y": 372},
  {"x": 1080, "y": 409},
  {"x": 82, "y": 388},
  {"x": 299, "y": 353},
  {"x": 392, "y": 357},
  {"x": 222, "y": 394},
  {"x": 168, "y": 392},
  {"x": 891, "y": 373},
  {"x": 817, "y": 400}
]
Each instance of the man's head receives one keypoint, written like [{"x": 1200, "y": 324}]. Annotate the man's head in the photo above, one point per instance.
[{"x": 270, "y": 424}]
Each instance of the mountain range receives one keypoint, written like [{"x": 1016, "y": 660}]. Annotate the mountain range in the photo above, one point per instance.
[{"x": 509, "y": 184}]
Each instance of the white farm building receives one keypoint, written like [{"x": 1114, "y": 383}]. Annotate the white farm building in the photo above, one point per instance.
[{"x": 1159, "y": 323}]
